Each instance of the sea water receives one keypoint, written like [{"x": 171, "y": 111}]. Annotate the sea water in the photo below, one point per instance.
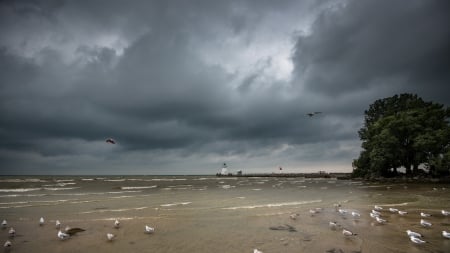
[{"x": 219, "y": 214}]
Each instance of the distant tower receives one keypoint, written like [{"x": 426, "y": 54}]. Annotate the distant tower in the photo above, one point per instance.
[{"x": 224, "y": 169}]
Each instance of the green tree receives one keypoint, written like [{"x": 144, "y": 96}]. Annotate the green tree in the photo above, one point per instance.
[{"x": 404, "y": 131}]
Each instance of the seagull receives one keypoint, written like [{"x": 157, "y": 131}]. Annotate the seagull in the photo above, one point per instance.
[
  {"x": 378, "y": 208},
  {"x": 425, "y": 223},
  {"x": 7, "y": 244},
  {"x": 41, "y": 221},
  {"x": 4, "y": 224},
  {"x": 110, "y": 236},
  {"x": 312, "y": 113},
  {"x": 373, "y": 215},
  {"x": 12, "y": 232},
  {"x": 446, "y": 234},
  {"x": 416, "y": 240},
  {"x": 356, "y": 214},
  {"x": 379, "y": 220},
  {"x": 342, "y": 211},
  {"x": 62, "y": 235},
  {"x": 333, "y": 225},
  {"x": 402, "y": 212},
  {"x": 445, "y": 213},
  {"x": 57, "y": 224},
  {"x": 376, "y": 213},
  {"x": 347, "y": 232},
  {"x": 116, "y": 223},
  {"x": 313, "y": 211},
  {"x": 412, "y": 233},
  {"x": 393, "y": 210},
  {"x": 257, "y": 251},
  {"x": 425, "y": 214},
  {"x": 149, "y": 230}
]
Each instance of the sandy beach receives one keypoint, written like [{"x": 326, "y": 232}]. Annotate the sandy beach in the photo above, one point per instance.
[{"x": 209, "y": 214}]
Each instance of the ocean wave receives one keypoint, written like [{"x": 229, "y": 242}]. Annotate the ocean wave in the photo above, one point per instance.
[
  {"x": 137, "y": 187},
  {"x": 115, "y": 210},
  {"x": 59, "y": 188},
  {"x": 176, "y": 204},
  {"x": 20, "y": 190},
  {"x": 295, "y": 203}
]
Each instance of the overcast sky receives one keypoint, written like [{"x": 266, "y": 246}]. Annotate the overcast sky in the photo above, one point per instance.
[{"x": 184, "y": 86}]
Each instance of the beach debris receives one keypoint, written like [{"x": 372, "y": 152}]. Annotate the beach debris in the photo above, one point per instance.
[
  {"x": 57, "y": 224},
  {"x": 285, "y": 227},
  {"x": 416, "y": 240},
  {"x": 62, "y": 235},
  {"x": 4, "y": 224},
  {"x": 334, "y": 250},
  {"x": 425, "y": 223},
  {"x": 412, "y": 233},
  {"x": 116, "y": 223},
  {"x": 257, "y": 251},
  {"x": 111, "y": 141},
  {"x": 149, "y": 230},
  {"x": 12, "y": 232},
  {"x": 393, "y": 210},
  {"x": 41, "y": 221},
  {"x": 73, "y": 231},
  {"x": 110, "y": 236},
  {"x": 346, "y": 232},
  {"x": 422, "y": 214},
  {"x": 445, "y": 213}
]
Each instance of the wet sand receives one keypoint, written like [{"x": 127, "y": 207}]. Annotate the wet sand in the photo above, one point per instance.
[{"x": 233, "y": 215}]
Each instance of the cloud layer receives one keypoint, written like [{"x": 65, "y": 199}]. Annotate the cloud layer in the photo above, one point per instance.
[{"x": 186, "y": 86}]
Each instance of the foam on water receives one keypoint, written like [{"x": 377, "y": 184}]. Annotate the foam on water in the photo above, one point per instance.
[{"x": 294, "y": 203}]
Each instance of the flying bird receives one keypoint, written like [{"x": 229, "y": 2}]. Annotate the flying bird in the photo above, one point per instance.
[
  {"x": 110, "y": 140},
  {"x": 310, "y": 114}
]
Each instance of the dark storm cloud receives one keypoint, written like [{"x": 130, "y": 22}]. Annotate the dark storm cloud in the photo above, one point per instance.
[
  {"x": 183, "y": 86},
  {"x": 364, "y": 44}
]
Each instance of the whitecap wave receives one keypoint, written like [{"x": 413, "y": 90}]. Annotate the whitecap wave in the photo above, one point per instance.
[
  {"x": 137, "y": 187},
  {"x": 295, "y": 203},
  {"x": 176, "y": 204},
  {"x": 20, "y": 190}
]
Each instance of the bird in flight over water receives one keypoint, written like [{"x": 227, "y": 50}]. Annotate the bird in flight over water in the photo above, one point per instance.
[
  {"x": 312, "y": 113},
  {"x": 110, "y": 140}
]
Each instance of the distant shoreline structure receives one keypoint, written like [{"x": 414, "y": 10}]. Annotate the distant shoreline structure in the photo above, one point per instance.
[{"x": 338, "y": 175}]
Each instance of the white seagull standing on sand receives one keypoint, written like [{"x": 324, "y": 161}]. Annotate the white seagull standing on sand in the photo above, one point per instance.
[
  {"x": 347, "y": 232},
  {"x": 446, "y": 234},
  {"x": 445, "y": 213},
  {"x": 412, "y": 233},
  {"x": 402, "y": 213},
  {"x": 425, "y": 223},
  {"x": 356, "y": 214},
  {"x": 149, "y": 230},
  {"x": 41, "y": 221},
  {"x": 333, "y": 225},
  {"x": 62, "y": 235},
  {"x": 57, "y": 224},
  {"x": 7, "y": 244},
  {"x": 110, "y": 236},
  {"x": 12, "y": 232},
  {"x": 257, "y": 251},
  {"x": 373, "y": 215},
  {"x": 378, "y": 208},
  {"x": 116, "y": 223},
  {"x": 393, "y": 210},
  {"x": 4, "y": 224},
  {"x": 416, "y": 240},
  {"x": 379, "y": 220},
  {"x": 422, "y": 214}
]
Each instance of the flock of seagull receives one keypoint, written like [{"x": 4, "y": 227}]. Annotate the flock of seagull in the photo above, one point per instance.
[
  {"x": 67, "y": 233},
  {"x": 376, "y": 214}
]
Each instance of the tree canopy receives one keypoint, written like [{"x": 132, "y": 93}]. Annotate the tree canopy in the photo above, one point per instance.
[{"x": 403, "y": 131}]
